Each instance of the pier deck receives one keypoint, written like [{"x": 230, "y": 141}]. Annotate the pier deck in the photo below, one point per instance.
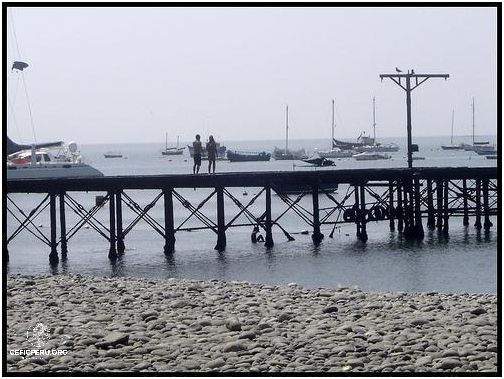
[{"x": 403, "y": 196}]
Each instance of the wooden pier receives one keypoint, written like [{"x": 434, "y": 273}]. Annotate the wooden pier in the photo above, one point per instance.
[{"x": 402, "y": 196}]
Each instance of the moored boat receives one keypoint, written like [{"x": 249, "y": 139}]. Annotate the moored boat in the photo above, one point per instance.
[
  {"x": 172, "y": 150},
  {"x": 370, "y": 156},
  {"x": 452, "y": 146},
  {"x": 60, "y": 161},
  {"x": 113, "y": 154},
  {"x": 287, "y": 154},
  {"x": 319, "y": 161},
  {"x": 241, "y": 156}
]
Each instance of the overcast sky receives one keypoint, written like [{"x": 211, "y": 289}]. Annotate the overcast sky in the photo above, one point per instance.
[{"x": 114, "y": 75}]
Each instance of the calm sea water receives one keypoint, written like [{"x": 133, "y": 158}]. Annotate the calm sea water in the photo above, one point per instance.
[{"x": 464, "y": 262}]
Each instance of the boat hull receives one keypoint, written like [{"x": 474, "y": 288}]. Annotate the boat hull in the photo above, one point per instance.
[
  {"x": 173, "y": 152},
  {"x": 295, "y": 189},
  {"x": 52, "y": 170},
  {"x": 452, "y": 147},
  {"x": 336, "y": 154},
  {"x": 234, "y": 156}
]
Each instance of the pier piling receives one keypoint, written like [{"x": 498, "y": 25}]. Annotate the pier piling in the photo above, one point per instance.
[
  {"x": 64, "y": 247},
  {"x": 446, "y": 209},
  {"x": 221, "y": 222},
  {"x": 269, "y": 236},
  {"x": 120, "y": 235},
  {"x": 477, "y": 223},
  {"x": 112, "y": 227},
  {"x": 419, "y": 231},
  {"x": 317, "y": 236},
  {"x": 391, "y": 206},
  {"x": 362, "y": 214},
  {"x": 53, "y": 256},
  {"x": 486, "y": 210},
  {"x": 431, "y": 219},
  {"x": 169, "y": 247},
  {"x": 399, "y": 208},
  {"x": 465, "y": 194},
  {"x": 439, "y": 201}
]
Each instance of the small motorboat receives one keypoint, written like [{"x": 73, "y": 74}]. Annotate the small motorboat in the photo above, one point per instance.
[
  {"x": 319, "y": 161},
  {"x": 113, "y": 154},
  {"x": 370, "y": 156}
]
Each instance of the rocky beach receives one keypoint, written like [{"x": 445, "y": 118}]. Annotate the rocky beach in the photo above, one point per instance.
[{"x": 179, "y": 325}]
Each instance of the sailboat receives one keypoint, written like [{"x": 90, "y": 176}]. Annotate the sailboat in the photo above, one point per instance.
[
  {"x": 451, "y": 146},
  {"x": 281, "y": 154},
  {"x": 481, "y": 146},
  {"x": 335, "y": 152},
  {"x": 47, "y": 160},
  {"x": 375, "y": 147},
  {"x": 172, "y": 150}
]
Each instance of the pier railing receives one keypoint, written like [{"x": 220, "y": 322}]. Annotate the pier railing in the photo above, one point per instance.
[{"x": 403, "y": 197}]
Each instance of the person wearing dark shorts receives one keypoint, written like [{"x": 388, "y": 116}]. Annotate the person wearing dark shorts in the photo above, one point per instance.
[{"x": 197, "y": 154}]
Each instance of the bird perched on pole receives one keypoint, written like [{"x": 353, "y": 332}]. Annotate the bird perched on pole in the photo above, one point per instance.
[
  {"x": 397, "y": 70},
  {"x": 412, "y": 72}
]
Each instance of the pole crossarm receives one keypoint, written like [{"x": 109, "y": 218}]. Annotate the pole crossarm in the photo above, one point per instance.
[{"x": 408, "y": 88}]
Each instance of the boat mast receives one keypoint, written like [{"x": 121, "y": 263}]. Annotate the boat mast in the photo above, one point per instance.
[
  {"x": 166, "y": 141},
  {"x": 332, "y": 134},
  {"x": 473, "y": 118},
  {"x": 453, "y": 116},
  {"x": 374, "y": 122},
  {"x": 178, "y": 141},
  {"x": 286, "y": 129}
]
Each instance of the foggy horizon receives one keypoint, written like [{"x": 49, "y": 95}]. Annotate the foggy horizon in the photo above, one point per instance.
[{"x": 125, "y": 75}]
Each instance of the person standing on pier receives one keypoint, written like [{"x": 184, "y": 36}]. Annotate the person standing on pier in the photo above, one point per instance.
[
  {"x": 211, "y": 147},
  {"x": 197, "y": 154}
]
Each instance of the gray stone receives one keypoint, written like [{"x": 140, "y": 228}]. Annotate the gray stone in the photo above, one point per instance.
[
  {"x": 234, "y": 346},
  {"x": 247, "y": 335},
  {"x": 233, "y": 324},
  {"x": 447, "y": 364},
  {"x": 285, "y": 316},
  {"x": 111, "y": 365},
  {"x": 330, "y": 309},
  {"x": 216, "y": 363},
  {"x": 478, "y": 311},
  {"x": 113, "y": 339}
]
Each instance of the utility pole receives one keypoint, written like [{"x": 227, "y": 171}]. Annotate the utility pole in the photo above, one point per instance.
[{"x": 408, "y": 88}]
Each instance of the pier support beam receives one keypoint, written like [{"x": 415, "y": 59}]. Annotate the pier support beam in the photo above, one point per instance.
[
  {"x": 269, "y": 236},
  {"x": 399, "y": 208},
  {"x": 112, "y": 251},
  {"x": 221, "y": 222},
  {"x": 439, "y": 201},
  {"x": 446, "y": 209},
  {"x": 465, "y": 221},
  {"x": 419, "y": 231},
  {"x": 477, "y": 223},
  {"x": 120, "y": 236},
  {"x": 391, "y": 206},
  {"x": 487, "y": 224},
  {"x": 362, "y": 215},
  {"x": 169, "y": 247},
  {"x": 431, "y": 219},
  {"x": 64, "y": 247},
  {"x": 317, "y": 236},
  {"x": 53, "y": 256}
]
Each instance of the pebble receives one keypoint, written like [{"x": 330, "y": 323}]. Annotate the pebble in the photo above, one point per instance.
[{"x": 176, "y": 325}]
